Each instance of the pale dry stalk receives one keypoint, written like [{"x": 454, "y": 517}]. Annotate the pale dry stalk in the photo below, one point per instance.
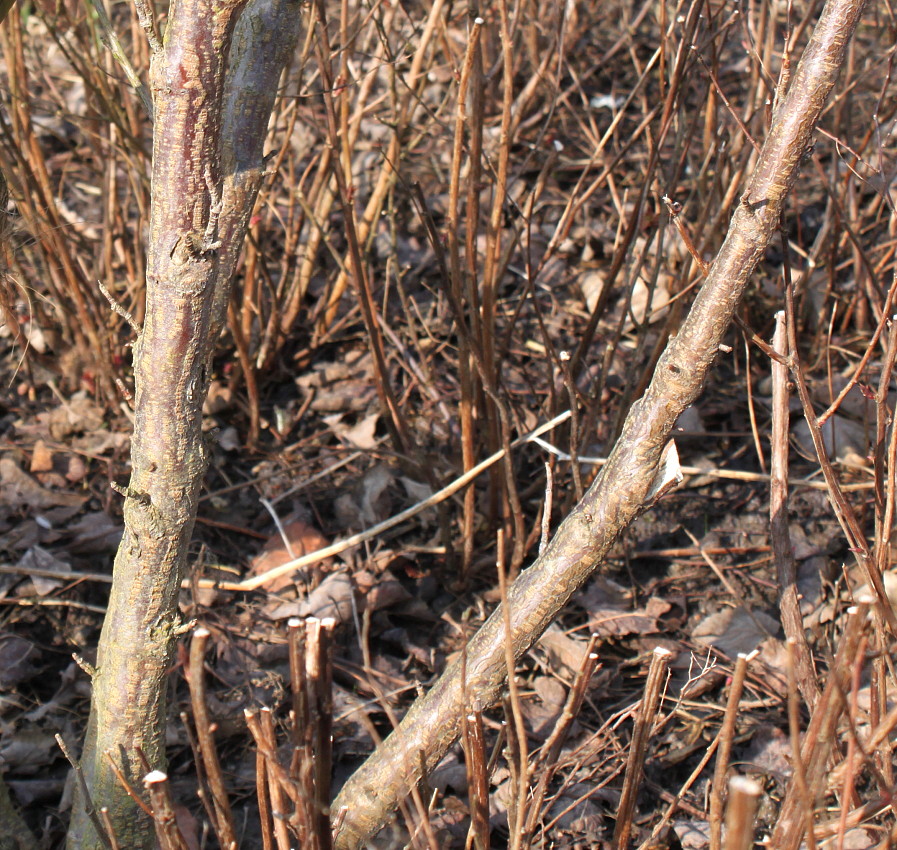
[
  {"x": 638, "y": 746},
  {"x": 780, "y": 538}
]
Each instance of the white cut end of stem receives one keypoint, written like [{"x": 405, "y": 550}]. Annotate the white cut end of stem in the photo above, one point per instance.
[
  {"x": 201, "y": 632},
  {"x": 154, "y": 777},
  {"x": 744, "y": 785}
]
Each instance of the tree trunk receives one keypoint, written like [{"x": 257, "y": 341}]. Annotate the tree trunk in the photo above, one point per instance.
[{"x": 213, "y": 83}]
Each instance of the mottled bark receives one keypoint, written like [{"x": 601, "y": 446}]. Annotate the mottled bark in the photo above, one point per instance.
[
  {"x": 213, "y": 83},
  {"x": 622, "y": 490}
]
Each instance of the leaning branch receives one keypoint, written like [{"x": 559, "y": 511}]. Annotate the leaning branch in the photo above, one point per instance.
[{"x": 623, "y": 489}]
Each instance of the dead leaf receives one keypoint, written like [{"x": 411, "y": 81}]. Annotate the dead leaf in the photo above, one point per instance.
[
  {"x": 78, "y": 415},
  {"x": 692, "y": 834},
  {"x": 387, "y": 591},
  {"x": 578, "y": 810},
  {"x": 844, "y": 440},
  {"x": 331, "y": 598},
  {"x": 77, "y": 469},
  {"x": 219, "y": 399},
  {"x": 341, "y": 387},
  {"x": 734, "y": 630},
  {"x": 27, "y": 749},
  {"x": 858, "y": 839},
  {"x": 38, "y": 558},
  {"x": 369, "y": 502},
  {"x": 41, "y": 458},
  {"x": 301, "y": 538},
  {"x": 99, "y": 442},
  {"x": 19, "y": 489},
  {"x": 360, "y": 435},
  {"x": 564, "y": 653},
  {"x": 17, "y": 660},
  {"x": 768, "y": 754},
  {"x": 610, "y": 612},
  {"x": 542, "y": 714},
  {"x": 187, "y": 825},
  {"x": 93, "y": 533}
]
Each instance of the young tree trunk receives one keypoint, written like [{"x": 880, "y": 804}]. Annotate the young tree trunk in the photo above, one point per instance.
[
  {"x": 213, "y": 81},
  {"x": 623, "y": 489}
]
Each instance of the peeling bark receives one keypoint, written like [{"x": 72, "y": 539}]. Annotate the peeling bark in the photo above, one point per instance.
[
  {"x": 621, "y": 491},
  {"x": 213, "y": 83}
]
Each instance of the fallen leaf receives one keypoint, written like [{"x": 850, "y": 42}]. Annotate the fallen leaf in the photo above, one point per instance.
[
  {"x": 79, "y": 415},
  {"x": 27, "y": 749},
  {"x": 734, "y": 630},
  {"x": 611, "y": 613},
  {"x": 369, "y": 502},
  {"x": 692, "y": 834},
  {"x": 301, "y": 539},
  {"x": 542, "y": 714},
  {"x": 41, "y": 458},
  {"x": 564, "y": 653},
  {"x": 76, "y": 469},
  {"x": 388, "y": 591},
  {"x": 38, "y": 558},
  {"x": 19, "y": 489},
  {"x": 768, "y": 754},
  {"x": 331, "y": 598},
  {"x": 17, "y": 657},
  {"x": 92, "y": 533}
]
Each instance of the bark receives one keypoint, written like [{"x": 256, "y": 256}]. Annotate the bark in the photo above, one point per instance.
[
  {"x": 621, "y": 492},
  {"x": 213, "y": 82}
]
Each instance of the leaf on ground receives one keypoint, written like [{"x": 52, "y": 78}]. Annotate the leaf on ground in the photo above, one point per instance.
[
  {"x": 17, "y": 660},
  {"x": 99, "y": 442},
  {"x": 360, "y": 435},
  {"x": 859, "y": 839},
  {"x": 735, "y": 630},
  {"x": 19, "y": 489},
  {"x": 27, "y": 749},
  {"x": 370, "y": 501},
  {"x": 351, "y": 734},
  {"x": 448, "y": 774},
  {"x": 565, "y": 654},
  {"x": 385, "y": 592},
  {"x": 610, "y": 612},
  {"x": 41, "y": 458},
  {"x": 845, "y": 440},
  {"x": 541, "y": 714},
  {"x": 219, "y": 399},
  {"x": 300, "y": 539},
  {"x": 342, "y": 386},
  {"x": 79, "y": 415},
  {"x": 768, "y": 754},
  {"x": 331, "y": 598},
  {"x": 38, "y": 558},
  {"x": 92, "y": 533},
  {"x": 578, "y": 811},
  {"x": 692, "y": 834}
]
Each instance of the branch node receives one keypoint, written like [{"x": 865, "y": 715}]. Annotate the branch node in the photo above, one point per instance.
[
  {"x": 84, "y": 664},
  {"x": 119, "y": 310}
]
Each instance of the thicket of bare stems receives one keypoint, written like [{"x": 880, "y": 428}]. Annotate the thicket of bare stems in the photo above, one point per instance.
[{"x": 438, "y": 185}]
